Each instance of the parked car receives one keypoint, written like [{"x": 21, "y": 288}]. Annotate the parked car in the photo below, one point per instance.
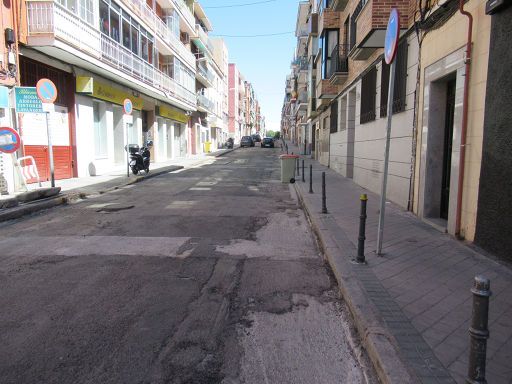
[
  {"x": 256, "y": 138},
  {"x": 267, "y": 142},
  {"x": 246, "y": 141}
]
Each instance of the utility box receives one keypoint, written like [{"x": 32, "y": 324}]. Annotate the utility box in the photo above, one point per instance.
[{"x": 288, "y": 164}]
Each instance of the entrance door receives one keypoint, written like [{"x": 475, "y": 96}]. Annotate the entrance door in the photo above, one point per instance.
[
  {"x": 119, "y": 155},
  {"x": 161, "y": 140},
  {"x": 447, "y": 148}
]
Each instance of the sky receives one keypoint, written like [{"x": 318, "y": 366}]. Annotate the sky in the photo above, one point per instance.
[{"x": 264, "y": 61}]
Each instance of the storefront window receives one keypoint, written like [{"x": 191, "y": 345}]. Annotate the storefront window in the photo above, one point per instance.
[{"x": 100, "y": 131}]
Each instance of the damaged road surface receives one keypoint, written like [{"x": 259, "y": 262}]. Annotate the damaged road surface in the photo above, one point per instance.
[{"x": 209, "y": 275}]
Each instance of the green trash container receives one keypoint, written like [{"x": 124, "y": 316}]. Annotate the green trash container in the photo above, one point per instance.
[{"x": 288, "y": 164}]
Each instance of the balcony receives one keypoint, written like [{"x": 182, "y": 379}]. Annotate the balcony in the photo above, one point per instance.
[
  {"x": 171, "y": 43},
  {"x": 368, "y": 36},
  {"x": 338, "y": 70},
  {"x": 325, "y": 91},
  {"x": 202, "y": 40},
  {"x": 51, "y": 25},
  {"x": 120, "y": 57},
  {"x": 313, "y": 24},
  {"x": 204, "y": 75},
  {"x": 339, "y": 5},
  {"x": 185, "y": 12},
  {"x": 329, "y": 19},
  {"x": 48, "y": 21},
  {"x": 204, "y": 104}
]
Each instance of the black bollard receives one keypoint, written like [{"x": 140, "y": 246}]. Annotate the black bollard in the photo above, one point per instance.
[
  {"x": 324, "y": 205},
  {"x": 479, "y": 332},
  {"x": 297, "y": 163},
  {"x": 286, "y": 148},
  {"x": 362, "y": 230},
  {"x": 303, "y": 179},
  {"x": 310, "y": 178}
]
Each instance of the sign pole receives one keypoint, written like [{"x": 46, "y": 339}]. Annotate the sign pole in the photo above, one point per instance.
[
  {"x": 127, "y": 149},
  {"x": 390, "y": 50},
  {"x": 382, "y": 211},
  {"x": 50, "y": 149}
]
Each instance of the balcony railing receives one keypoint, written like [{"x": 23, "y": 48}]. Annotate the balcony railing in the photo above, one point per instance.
[
  {"x": 144, "y": 11},
  {"x": 203, "y": 36},
  {"x": 123, "y": 59},
  {"x": 204, "y": 72},
  {"x": 205, "y": 102},
  {"x": 339, "y": 60},
  {"x": 47, "y": 17},
  {"x": 185, "y": 11}
]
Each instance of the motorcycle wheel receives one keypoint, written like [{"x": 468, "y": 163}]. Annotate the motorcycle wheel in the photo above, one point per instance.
[
  {"x": 135, "y": 171},
  {"x": 146, "y": 170}
]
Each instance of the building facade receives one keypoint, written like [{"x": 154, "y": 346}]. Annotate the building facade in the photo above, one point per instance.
[{"x": 444, "y": 139}]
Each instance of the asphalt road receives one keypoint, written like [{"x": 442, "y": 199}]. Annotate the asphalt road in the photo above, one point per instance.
[{"x": 209, "y": 275}]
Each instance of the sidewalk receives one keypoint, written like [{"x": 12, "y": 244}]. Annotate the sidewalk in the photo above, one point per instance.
[
  {"x": 416, "y": 298},
  {"x": 78, "y": 188}
]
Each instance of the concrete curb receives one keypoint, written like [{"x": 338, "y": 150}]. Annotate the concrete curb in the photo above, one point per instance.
[
  {"x": 68, "y": 197},
  {"x": 376, "y": 338}
]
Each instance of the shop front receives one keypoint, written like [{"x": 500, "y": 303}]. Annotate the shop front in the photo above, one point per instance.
[
  {"x": 100, "y": 128},
  {"x": 170, "y": 139}
]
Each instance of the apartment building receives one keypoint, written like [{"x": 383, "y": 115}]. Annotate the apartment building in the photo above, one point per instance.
[
  {"x": 236, "y": 103},
  {"x": 445, "y": 140},
  {"x": 219, "y": 122},
  {"x": 9, "y": 77},
  {"x": 98, "y": 54}
]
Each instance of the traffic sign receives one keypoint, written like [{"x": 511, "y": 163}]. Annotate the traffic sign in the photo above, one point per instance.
[
  {"x": 46, "y": 91},
  {"x": 128, "y": 106},
  {"x": 392, "y": 36},
  {"x": 9, "y": 140}
]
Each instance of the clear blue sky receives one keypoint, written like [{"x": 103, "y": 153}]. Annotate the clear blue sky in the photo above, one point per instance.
[{"x": 264, "y": 61}]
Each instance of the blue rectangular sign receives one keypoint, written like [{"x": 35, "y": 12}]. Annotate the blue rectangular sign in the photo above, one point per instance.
[
  {"x": 4, "y": 97},
  {"x": 27, "y": 100}
]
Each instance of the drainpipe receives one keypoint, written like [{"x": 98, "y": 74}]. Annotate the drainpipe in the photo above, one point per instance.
[{"x": 464, "y": 127}]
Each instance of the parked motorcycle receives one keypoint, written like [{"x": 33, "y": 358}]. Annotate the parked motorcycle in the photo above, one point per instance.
[
  {"x": 139, "y": 157},
  {"x": 229, "y": 143}
]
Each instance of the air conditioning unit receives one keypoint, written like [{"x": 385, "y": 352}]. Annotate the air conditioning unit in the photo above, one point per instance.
[{"x": 185, "y": 38}]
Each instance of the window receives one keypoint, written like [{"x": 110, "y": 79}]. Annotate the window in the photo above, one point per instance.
[
  {"x": 334, "y": 116},
  {"x": 399, "y": 89},
  {"x": 87, "y": 11},
  {"x": 127, "y": 41},
  {"x": 100, "y": 131},
  {"x": 353, "y": 29},
  {"x": 104, "y": 18},
  {"x": 114, "y": 22},
  {"x": 329, "y": 41},
  {"x": 135, "y": 37},
  {"x": 368, "y": 91}
]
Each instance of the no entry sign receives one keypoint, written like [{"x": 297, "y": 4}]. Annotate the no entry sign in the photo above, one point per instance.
[
  {"x": 9, "y": 140},
  {"x": 128, "y": 106},
  {"x": 392, "y": 36},
  {"x": 46, "y": 91}
]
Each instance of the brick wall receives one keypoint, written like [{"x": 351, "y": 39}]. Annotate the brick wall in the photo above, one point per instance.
[{"x": 329, "y": 19}]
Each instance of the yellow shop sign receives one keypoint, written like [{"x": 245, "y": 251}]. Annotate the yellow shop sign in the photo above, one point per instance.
[
  {"x": 172, "y": 114},
  {"x": 90, "y": 86}
]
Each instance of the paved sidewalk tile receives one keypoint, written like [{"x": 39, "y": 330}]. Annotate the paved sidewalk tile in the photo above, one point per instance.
[{"x": 421, "y": 286}]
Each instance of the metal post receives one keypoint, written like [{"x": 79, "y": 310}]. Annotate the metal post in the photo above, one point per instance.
[
  {"x": 382, "y": 211},
  {"x": 303, "y": 179},
  {"x": 310, "y": 178},
  {"x": 305, "y": 146},
  {"x": 50, "y": 151},
  {"x": 127, "y": 150},
  {"x": 479, "y": 332},
  {"x": 362, "y": 230},
  {"x": 297, "y": 163},
  {"x": 286, "y": 148},
  {"x": 324, "y": 205}
]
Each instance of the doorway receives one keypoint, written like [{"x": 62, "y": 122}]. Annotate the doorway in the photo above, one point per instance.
[
  {"x": 351, "y": 132},
  {"x": 439, "y": 170},
  {"x": 447, "y": 148},
  {"x": 170, "y": 139}
]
